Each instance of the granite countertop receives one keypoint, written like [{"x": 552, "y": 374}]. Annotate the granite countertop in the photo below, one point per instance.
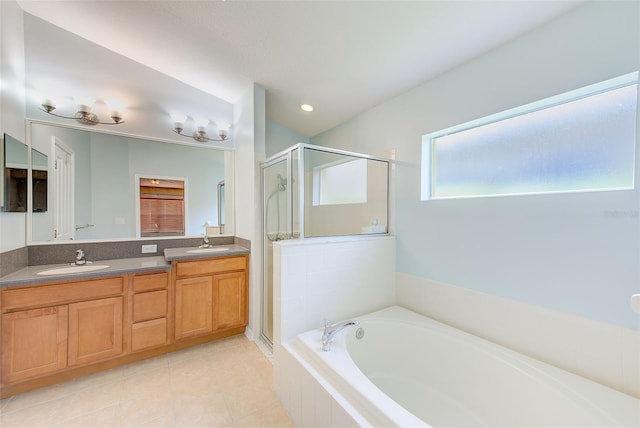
[
  {"x": 29, "y": 275},
  {"x": 171, "y": 254}
]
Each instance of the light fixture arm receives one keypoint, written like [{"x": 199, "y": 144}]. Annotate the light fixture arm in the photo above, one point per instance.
[
  {"x": 200, "y": 136},
  {"x": 84, "y": 117}
]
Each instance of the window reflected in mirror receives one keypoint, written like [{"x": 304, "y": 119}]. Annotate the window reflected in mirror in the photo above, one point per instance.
[
  {"x": 162, "y": 205},
  {"x": 15, "y": 175}
]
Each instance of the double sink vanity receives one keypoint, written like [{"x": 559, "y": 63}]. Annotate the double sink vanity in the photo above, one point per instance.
[{"x": 63, "y": 321}]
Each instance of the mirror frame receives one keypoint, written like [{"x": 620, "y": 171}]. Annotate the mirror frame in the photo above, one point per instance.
[{"x": 229, "y": 168}]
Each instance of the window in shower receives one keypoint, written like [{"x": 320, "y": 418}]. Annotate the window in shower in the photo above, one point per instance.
[
  {"x": 342, "y": 182},
  {"x": 344, "y": 194},
  {"x": 583, "y": 140}
]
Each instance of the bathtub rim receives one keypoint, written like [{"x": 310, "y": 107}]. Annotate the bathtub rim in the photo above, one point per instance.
[{"x": 580, "y": 390}]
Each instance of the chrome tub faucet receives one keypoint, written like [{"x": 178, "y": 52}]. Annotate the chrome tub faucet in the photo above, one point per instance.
[{"x": 330, "y": 331}]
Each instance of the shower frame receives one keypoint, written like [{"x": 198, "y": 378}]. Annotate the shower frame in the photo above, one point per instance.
[{"x": 299, "y": 179}]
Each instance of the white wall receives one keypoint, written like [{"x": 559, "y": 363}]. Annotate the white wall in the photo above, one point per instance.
[
  {"x": 12, "y": 106},
  {"x": 249, "y": 135},
  {"x": 563, "y": 252}
]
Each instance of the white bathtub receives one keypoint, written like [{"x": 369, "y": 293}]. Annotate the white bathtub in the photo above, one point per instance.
[{"x": 411, "y": 371}]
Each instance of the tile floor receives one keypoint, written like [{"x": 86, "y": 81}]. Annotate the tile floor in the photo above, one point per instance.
[{"x": 227, "y": 383}]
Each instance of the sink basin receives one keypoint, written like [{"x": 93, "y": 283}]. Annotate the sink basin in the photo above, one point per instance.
[
  {"x": 208, "y": 250},
  {"x": 72, "y": 269}
]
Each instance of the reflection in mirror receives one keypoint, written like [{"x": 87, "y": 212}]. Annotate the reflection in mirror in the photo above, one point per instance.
[
  {"x": 161, "y": 204},
  {"x": 93, "y": 183},
  {"x": 15, "y": 174},
  {"x": 221, "y": 205},
  {"x": 39, "y": 174}
]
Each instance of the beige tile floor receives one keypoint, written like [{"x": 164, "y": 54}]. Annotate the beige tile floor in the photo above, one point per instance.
[{"x": 227, "y": 383}]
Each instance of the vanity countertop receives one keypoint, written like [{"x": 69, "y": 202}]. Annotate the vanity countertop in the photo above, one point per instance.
[
  {"x": 171, "y": 254},
  {"x": 29, "y": 275}
]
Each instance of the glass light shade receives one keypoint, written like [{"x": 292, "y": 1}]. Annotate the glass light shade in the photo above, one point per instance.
[
  {"x": 202, "y": 123},
  {"x": 84, "y": 103},
  {"x": 178, "y": 119}
]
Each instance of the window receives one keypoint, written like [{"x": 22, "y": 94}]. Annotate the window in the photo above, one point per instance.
[
  {"x": 583, "y": 140},
  {"x": 341, "y": 182}
]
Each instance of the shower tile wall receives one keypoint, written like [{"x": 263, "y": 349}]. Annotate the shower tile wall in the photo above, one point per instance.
[
  {"x": 602, "y": 352},
  {"x": 333, "y": 278}
]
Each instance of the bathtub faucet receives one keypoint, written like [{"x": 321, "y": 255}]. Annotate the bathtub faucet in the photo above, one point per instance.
[{"x": 330, "y": 330}]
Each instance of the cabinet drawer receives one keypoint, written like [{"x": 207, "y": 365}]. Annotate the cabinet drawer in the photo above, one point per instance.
[
  {"x": 201, "y": 267},
  {"x": 49, "y": 295},
  {"x": 148, "y": 334},
  {"x": 154, "y": 281},
  {"x": 147, "y": 306}
]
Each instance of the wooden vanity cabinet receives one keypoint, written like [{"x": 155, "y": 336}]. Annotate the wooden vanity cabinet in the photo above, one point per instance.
[
  {"x": 56, "y": 331},
  {"x": 48, "y": 328},
  {"x": 211, "y": 295}
]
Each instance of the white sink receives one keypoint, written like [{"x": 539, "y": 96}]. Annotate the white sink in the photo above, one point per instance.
[
  {"x": 72, "y": 269},
  {"x": 208, "y": 250}
]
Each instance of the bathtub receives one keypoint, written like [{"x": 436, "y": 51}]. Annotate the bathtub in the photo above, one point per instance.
[{"x": 403, "y": 369}]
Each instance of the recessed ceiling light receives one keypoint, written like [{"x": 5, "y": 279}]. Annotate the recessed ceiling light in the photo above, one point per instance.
[{"x": 307, "y": 107}]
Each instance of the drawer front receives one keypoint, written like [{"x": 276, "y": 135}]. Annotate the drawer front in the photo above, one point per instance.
[
  {"x": 148, "y": 334},
  {"x": 48, "y": 295},
  {"x": 202, "y": 267},
  {"x": 154, "y": 281},
  {"x": 150, "y": 305}
]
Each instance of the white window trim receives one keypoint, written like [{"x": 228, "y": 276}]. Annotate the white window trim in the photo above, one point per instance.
[{"x": 427, "y": 169}]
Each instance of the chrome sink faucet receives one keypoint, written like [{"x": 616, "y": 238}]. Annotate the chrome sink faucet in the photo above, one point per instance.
[
  {"x": 206, "y": 243},
  {"x": 80, "y": 258},
  {"x": 330, "y": 331}
]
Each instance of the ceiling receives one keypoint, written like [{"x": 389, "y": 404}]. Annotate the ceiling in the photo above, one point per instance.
[{"x": 343, "y": 57}]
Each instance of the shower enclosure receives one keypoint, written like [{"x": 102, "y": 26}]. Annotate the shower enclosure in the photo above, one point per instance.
[{"x": 312, "y": 191}]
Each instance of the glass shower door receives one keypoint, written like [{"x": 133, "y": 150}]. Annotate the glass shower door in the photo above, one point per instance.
[{"x": 276, "y": 207}]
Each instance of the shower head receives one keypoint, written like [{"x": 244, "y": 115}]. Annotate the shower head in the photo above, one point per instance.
[{"x": 282, "y": 183}]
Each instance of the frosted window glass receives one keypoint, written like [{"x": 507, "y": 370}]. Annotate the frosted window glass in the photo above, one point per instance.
[
  {"x": 343, "y": 183},
  {"x": 580, "y": 145}
]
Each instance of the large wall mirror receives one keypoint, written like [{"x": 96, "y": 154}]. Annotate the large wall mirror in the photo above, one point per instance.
[{"x": 98, "y": 186}]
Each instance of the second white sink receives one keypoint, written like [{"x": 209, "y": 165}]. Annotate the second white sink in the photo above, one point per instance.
[
  {"x": 208, "y": 250},
  {"x": 72, "y": 269}
]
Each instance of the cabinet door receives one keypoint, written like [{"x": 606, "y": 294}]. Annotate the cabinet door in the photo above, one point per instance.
[
  {"x": 230, "y": 300},
  {"x": 95, "y": 330},
  {"x": 34, "y": 343},
  {"x": 194, "y": 302}
]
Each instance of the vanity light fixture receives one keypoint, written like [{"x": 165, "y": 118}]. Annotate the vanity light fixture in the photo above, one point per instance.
[
  {"x": 200, "y": 134},
  {"x": 83, "y": 115}
]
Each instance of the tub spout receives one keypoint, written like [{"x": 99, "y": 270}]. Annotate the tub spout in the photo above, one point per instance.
[{"x": 330, "y": 331}]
